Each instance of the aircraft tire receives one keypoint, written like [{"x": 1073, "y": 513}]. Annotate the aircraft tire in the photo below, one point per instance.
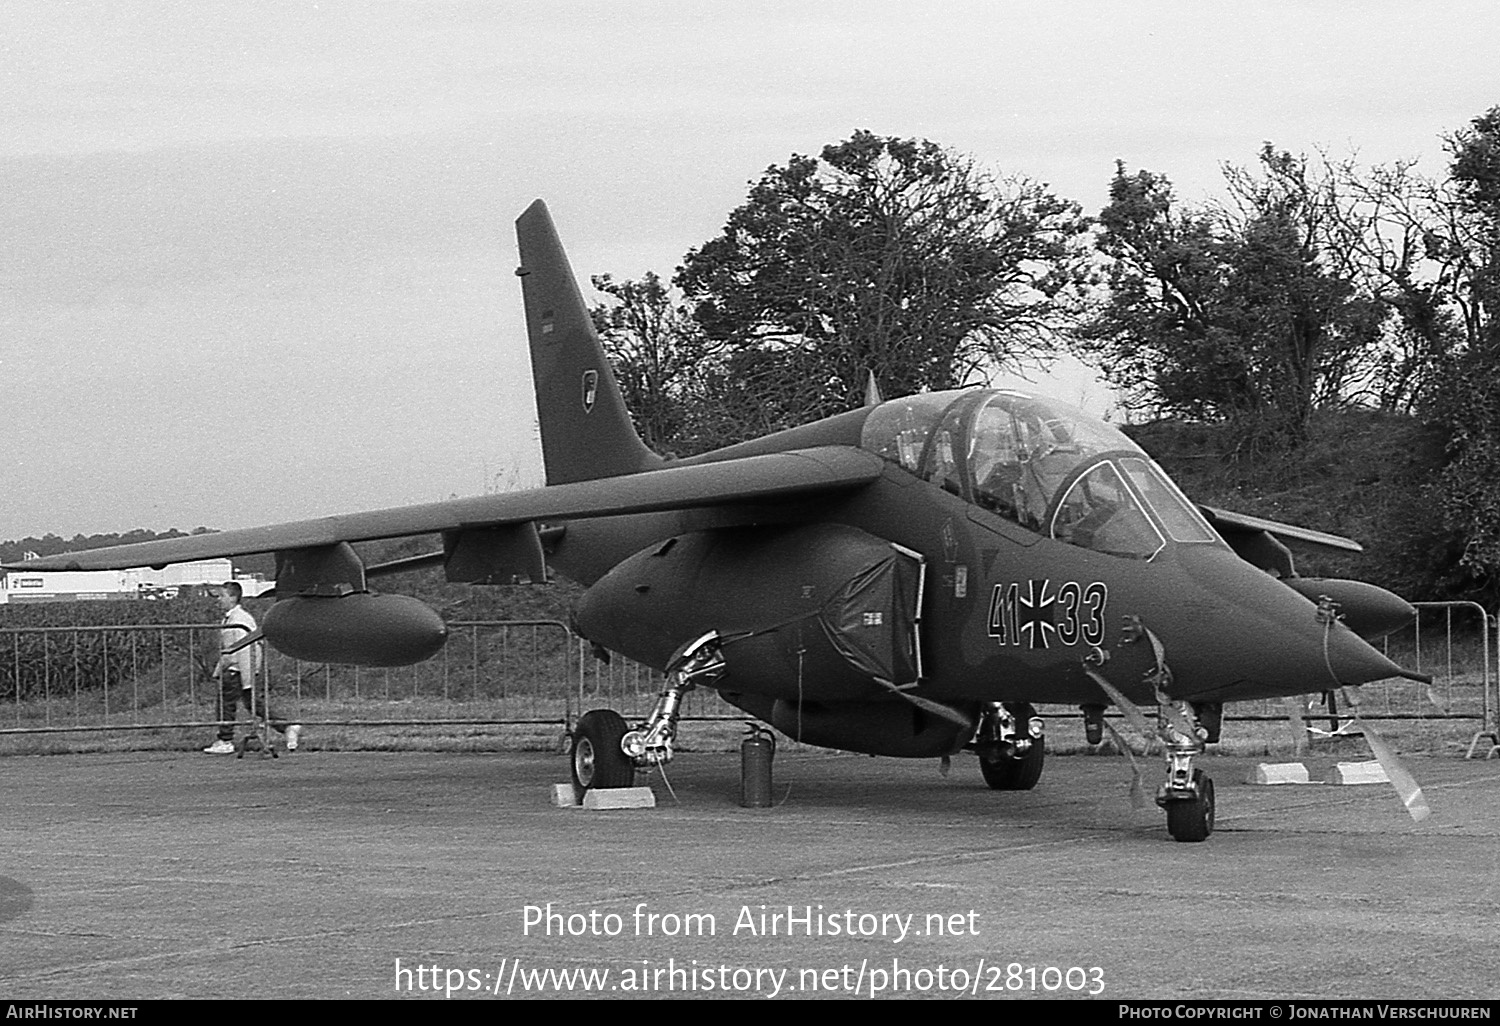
[
  {"x": 598, "y": 761},
  {"x": 1017, "y": 774},
  {"x": 1192, "y": 819}
]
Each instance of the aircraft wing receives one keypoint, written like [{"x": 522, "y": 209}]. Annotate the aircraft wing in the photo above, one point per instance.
[
  {"x": 783, "y": 475},
  {"x": 1227, "y": 522}
]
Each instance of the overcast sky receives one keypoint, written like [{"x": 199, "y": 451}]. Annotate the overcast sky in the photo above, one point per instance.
[{"x": 256, "y": 257}]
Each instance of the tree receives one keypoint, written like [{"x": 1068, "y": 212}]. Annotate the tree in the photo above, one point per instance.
[
  {"x": 51, "y": 544},
  {"x": 1468, "y": 400},
  {"x": 1244, "y": 313},
  {"x": 885, "y": 255},
  {"x": 1158, "y": 336},
  {"x": 1471, "y": 242},
  {"x": 660, "y": 359},
  {"x": 1292, "y": 284},
  {"x": 1388, "y": 218}
]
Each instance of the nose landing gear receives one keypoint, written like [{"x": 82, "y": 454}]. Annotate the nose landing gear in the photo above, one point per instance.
[
  {"x": 1191, "y": 817},
  {"x": 1187, "y": 795}
]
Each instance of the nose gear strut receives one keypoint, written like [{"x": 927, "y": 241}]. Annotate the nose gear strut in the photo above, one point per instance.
[{"x": 1187, "y": 795}]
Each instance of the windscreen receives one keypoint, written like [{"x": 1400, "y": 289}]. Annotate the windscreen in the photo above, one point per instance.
[
  {"x": 1044, "y": 465},
  {"x": 1099, "y": 512},
  {"x": 1180, "y": 517}
]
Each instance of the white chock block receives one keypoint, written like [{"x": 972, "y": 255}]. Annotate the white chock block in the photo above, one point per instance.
[
  {"x": 620, "y": 798},
  {"x": 1358, "y": 773},
  {"x": 565, "y": 796},
  {"x": 1278, "y": 773}
]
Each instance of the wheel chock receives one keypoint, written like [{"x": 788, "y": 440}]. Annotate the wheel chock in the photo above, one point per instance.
[
  {"x": 1357, "y": 773},
  {"x": 565, "y": 796},
  {"x": 620, "y": 798},
  {"x": 1278, "y": 773}
]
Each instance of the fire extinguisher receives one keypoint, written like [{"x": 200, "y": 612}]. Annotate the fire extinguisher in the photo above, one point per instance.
[{"x": 756, "y": 752}]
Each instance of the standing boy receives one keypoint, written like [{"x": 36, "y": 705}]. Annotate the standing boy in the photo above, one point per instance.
[{"x": 237, "y": 671}]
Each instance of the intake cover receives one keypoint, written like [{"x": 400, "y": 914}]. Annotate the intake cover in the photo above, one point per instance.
[{"x": 816, "y": 611}]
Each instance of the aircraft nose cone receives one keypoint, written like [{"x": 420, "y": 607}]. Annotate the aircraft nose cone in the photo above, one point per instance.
[
  {"x": 1352, "y": 660},
  {"x": 1254, "y": 637}
]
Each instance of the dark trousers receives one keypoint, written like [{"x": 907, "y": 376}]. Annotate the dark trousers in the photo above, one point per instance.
[{"x": 233, "y": 693}]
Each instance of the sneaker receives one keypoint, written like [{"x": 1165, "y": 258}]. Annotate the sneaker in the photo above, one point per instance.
[
  {"x": 220, "y": 747},
  {"x": 293, "y": 735}
]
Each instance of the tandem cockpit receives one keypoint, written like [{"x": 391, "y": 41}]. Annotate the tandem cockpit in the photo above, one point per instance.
[{"x": 1047, "y": 466}]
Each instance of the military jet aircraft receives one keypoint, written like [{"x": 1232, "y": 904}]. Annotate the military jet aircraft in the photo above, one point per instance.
[{"x": 906, "y": 579}]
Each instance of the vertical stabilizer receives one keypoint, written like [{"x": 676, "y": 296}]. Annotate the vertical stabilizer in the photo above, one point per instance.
[{"x": 586, "y": 429}]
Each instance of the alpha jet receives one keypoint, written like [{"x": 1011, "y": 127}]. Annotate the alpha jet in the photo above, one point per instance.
[{"x": 907, "y": 579}]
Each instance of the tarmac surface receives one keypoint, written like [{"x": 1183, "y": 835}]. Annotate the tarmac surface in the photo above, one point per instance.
[{"x": 374, "y": 875}]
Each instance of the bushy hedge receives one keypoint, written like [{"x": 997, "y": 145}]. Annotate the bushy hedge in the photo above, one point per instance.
[{"x": 34, "y": 659}]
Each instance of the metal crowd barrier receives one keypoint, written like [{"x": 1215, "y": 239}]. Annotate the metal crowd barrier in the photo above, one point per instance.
[
  {"x": 631, "y": 689},
  {"x": 514, "y": 672},
  {"x": 150, "y": 677},
  {"x": 1455, "y": 642}
]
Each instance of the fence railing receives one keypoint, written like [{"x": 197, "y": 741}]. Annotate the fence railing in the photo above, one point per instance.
[
  {"x": 58, "y": 679},
  {"x": 1454, "y": 642},
  {"x": 154, "y": 676},
  {"x": 1458, "y": 643},
  {"x": 632, "y": 689},
  {"x": 490, "y": 671}
]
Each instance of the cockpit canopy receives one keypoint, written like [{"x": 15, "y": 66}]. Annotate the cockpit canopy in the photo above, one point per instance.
[{"x": 1045, "y": 465}]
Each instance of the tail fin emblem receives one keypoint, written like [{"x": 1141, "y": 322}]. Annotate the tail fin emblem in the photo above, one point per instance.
[{"x": 590, "y": 389}]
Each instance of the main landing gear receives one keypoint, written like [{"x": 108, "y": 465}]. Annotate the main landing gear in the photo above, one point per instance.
[
  {"x": 607, "y": 752},
  {"x": 1011, "y": 744}
]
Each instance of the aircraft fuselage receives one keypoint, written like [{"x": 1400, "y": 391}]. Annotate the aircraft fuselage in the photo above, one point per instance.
[{"x": 1008, "y": 614}]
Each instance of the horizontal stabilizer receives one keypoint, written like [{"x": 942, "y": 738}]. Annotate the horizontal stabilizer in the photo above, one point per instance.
[
  {"x": 781, "y": 475},
  {"x": 1227, "y": 522}
]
